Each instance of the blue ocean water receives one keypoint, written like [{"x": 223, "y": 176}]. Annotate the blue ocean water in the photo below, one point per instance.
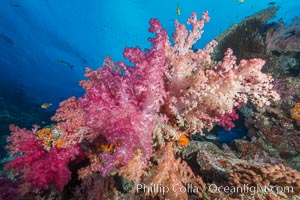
[{"x": 40, "y": 40}]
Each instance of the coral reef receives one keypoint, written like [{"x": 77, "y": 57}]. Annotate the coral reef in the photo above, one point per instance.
[
  {"x": 200, "y": 89},
  {"x": 220, "y": 166},
  {"x": 255, "y": 175},
  {"x": 134, "y": 127},
  {"x": 274, "y": 131},
  {"x": 283, "y": 39},
  {"x": 247, "y": 38}
]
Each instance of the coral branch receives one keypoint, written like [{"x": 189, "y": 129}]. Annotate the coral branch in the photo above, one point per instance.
[{"x": 201, "y": 90}]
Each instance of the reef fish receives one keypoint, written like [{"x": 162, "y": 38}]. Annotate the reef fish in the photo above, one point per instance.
[
  {"x": 272, "y": 3},
  {"x": 65, "y": 63},
  {"x": 6, "y": 39},
  {"x": 15, "y": 5},
  {"x": 46, "y": 105},
  {"x": 178, "y": 9}
]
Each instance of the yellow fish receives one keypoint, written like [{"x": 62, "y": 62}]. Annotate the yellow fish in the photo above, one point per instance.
[
  {"x": 46, "y": 105},
  {"x": 241, "y": 1},
  {"x": 178, "y": 10}
]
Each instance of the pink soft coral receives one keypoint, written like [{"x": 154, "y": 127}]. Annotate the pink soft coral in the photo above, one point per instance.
[
  {"x": 123, "y": 108},
  {"x": 227, "y": 119},
  {"x": 36, "y": 166},
  {"x": 201, "y": 90},
  {"x": 71, "y": 122}
]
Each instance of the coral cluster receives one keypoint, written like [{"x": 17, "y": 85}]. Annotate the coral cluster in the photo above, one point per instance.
[
  {"x": 200, "y": 89},
  {"x": 255, "y": 175},
  {"x": 133, "y": 121},
  {"x": 274, "y": 131},
  {"x": 173, "y": 174},
  {"x": 34, "y": 165},
  {"x": 221, "y": 167},
  {"x": 69, "y": 118},
  {"x": 50, "y": 137},
  {"x": 284, "y": 39},
  {"x": 295, "y": 112}
]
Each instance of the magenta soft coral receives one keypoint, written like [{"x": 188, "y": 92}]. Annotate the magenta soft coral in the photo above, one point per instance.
[
  {"x": 35, "y": 166},
  {"x": 123, "y": 109},
  {"x": 52, "y": 168},
  {"x": 226, "y": 120}
]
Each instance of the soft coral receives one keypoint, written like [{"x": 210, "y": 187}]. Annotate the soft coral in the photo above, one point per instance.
[
  {"x": 124, "y": 109},
  {"x": 36, "y": 166}
]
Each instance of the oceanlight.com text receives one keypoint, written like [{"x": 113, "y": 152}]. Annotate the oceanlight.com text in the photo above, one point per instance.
[{"x": 250, "y": 189}]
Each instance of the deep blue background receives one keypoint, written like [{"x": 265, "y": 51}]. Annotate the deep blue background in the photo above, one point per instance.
[{"x": 36, "y": 35}]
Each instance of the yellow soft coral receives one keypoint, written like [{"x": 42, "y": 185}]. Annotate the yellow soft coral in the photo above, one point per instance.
[{"x": 295, "y": 112}]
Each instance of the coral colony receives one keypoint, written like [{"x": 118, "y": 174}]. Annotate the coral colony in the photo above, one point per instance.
[{"x": 133, "y": 121}]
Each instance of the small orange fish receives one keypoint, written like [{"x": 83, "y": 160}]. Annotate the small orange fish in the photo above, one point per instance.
[{"x": 46, "y": 105}]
